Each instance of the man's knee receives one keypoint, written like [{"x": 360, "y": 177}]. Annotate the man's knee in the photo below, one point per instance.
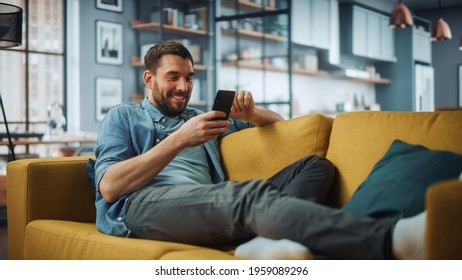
[{"x": 321, "y": 162}]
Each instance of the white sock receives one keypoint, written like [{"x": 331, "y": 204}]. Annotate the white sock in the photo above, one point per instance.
[
  {"x": 409, "y": 238},
  {"x": 261, "y": 248}
]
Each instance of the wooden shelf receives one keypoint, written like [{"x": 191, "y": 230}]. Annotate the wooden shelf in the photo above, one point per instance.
[
  {"x": 247, "y": 6},
  {"x": 254, "y": 34},
  {"x": 253, "y": 65},
  {"x": 155, "y": 26},
  {"x": 258, "y": 66},
  {"x": 306, "y": 72},
  {"x": 370, "y": 81},
  {"x": 136, "y": 62},
  {"x": 298, "y": 71}
]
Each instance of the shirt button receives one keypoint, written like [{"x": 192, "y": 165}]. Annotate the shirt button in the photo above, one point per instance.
[
  {"x": 157, "y": 140},
  {"x": 119, "y": 219}
]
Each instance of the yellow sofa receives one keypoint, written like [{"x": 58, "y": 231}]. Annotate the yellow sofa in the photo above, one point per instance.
[{"x": 51, "y": 212}]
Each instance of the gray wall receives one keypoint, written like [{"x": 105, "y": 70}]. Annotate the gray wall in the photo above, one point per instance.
[
  {"x": 89, "y": 69},
  {"x": 446, "y": 57},
  {"x": 445, "y": 54}
]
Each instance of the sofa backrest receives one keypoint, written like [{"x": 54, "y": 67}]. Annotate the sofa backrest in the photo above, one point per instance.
[
  {"x": 359, "y": 139},
  {"x": 258, "y": 153}
]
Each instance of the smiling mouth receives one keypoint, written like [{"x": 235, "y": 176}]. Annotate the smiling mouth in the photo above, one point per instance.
[{"x": 179, "y": 97}]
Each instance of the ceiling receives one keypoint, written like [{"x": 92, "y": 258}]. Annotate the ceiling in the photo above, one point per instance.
[
  {"x": 413, "y": 5},
  {"x": 427, "y": 4}
]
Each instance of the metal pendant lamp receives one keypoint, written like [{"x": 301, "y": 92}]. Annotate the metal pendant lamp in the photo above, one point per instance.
[
  {"x": 10, "y": 26},
  {"x": 401, "y": 16},
  {"x": 10, "y": 36},
  {"x": 441, "y": 30}
]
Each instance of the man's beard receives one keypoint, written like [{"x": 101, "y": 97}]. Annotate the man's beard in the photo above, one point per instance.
[{"x": 162, "y": 102}]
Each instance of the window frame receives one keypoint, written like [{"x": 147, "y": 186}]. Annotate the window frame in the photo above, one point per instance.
[{"x": 26, "y": 52}]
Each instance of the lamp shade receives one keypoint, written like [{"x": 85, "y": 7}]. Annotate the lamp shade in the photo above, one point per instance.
[
  {"x": 401, "y": 16},
  {"x": 10, "y": 26},
  {"x": 441, "y": 31}
]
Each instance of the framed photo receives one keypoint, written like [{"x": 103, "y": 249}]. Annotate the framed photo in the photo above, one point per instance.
[
  {"x": 109, "y": 43},
  {"x": 108, "y": 94},
  {"x": 110, "y": 5}
]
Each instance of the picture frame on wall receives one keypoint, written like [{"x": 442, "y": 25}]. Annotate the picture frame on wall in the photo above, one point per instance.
[
  {"x": 109, "y": 42},
  {"x": 110, "y": 5},
  {"x": 108, "y": 95}
]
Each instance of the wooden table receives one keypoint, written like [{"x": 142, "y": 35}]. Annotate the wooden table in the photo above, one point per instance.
[{"x": 67, "y": 139}]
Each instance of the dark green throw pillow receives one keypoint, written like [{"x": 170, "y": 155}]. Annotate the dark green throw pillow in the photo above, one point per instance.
[{"x": 397, "y": 184}]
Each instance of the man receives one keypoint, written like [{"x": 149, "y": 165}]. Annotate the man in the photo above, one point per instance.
[{"x": 158, "y": 176}]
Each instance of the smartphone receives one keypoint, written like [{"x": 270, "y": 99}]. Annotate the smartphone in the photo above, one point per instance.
[{"x": 223, "y": 102}]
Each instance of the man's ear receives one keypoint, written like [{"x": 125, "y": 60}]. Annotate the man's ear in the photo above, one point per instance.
[{"x": 147, "y": 78}]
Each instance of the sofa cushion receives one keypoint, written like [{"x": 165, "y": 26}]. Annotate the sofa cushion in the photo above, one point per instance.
[
  {"x": 397, "y": 185},
  {"x": 66, "y": 240},
  {"x": 260, "y": 152}
]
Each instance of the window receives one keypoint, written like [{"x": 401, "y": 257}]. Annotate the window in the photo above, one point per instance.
[{"x": 32, "y": 75}]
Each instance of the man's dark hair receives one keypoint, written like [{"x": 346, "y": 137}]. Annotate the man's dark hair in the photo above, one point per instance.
[{"x": 155, "y": 53}]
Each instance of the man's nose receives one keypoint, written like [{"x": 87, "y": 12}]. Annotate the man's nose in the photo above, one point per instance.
[{"x": 182, "y": 84}]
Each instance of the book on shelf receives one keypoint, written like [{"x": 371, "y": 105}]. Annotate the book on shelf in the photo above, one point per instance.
[
  {"x": 190, "y": 21},
  {"x": 201, "y": 17},
  {"x": 196, "y": 52},
  {"x": 194, "y": 19},
  {"x": 271, "y": 3},
  {"x": 194, "y": 49},
  {"x": 185, "y": 42}
]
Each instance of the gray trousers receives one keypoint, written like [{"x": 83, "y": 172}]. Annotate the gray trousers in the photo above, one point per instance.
[{"x": 286, "y": 206}]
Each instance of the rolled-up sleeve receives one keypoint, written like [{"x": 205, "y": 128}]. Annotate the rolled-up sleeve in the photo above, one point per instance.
[{"x": 114, "y": 142}]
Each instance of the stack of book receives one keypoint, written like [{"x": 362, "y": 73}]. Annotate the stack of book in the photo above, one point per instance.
[{"x": 195, "y": 19}]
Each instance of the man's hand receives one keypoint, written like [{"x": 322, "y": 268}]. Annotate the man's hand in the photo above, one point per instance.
[
  {"x": 244, "y": 109},
  {"x": 202, "y": 128},
  {"x": 243, "y": 106}
]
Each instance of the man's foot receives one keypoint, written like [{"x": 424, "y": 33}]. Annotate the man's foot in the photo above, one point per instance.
[
  {"x": 409, "y": 238},
  {"x": 261, "y": 248}
]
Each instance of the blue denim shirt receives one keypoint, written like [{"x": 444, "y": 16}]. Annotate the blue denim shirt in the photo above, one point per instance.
[{"x": 129, "y": 130}]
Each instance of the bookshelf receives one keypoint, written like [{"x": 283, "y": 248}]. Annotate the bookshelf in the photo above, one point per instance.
[
  {"x": 185, "y": 21},
  {"x": 253, "y": 50}
]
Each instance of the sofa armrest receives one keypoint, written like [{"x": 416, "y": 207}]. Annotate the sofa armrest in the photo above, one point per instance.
[
  {"x": 46, "y": 188},
  {"x": 443, "y": 239}
]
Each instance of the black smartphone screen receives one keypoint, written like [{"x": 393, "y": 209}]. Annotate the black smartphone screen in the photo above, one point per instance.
[{"x": 223, "y": 102}]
